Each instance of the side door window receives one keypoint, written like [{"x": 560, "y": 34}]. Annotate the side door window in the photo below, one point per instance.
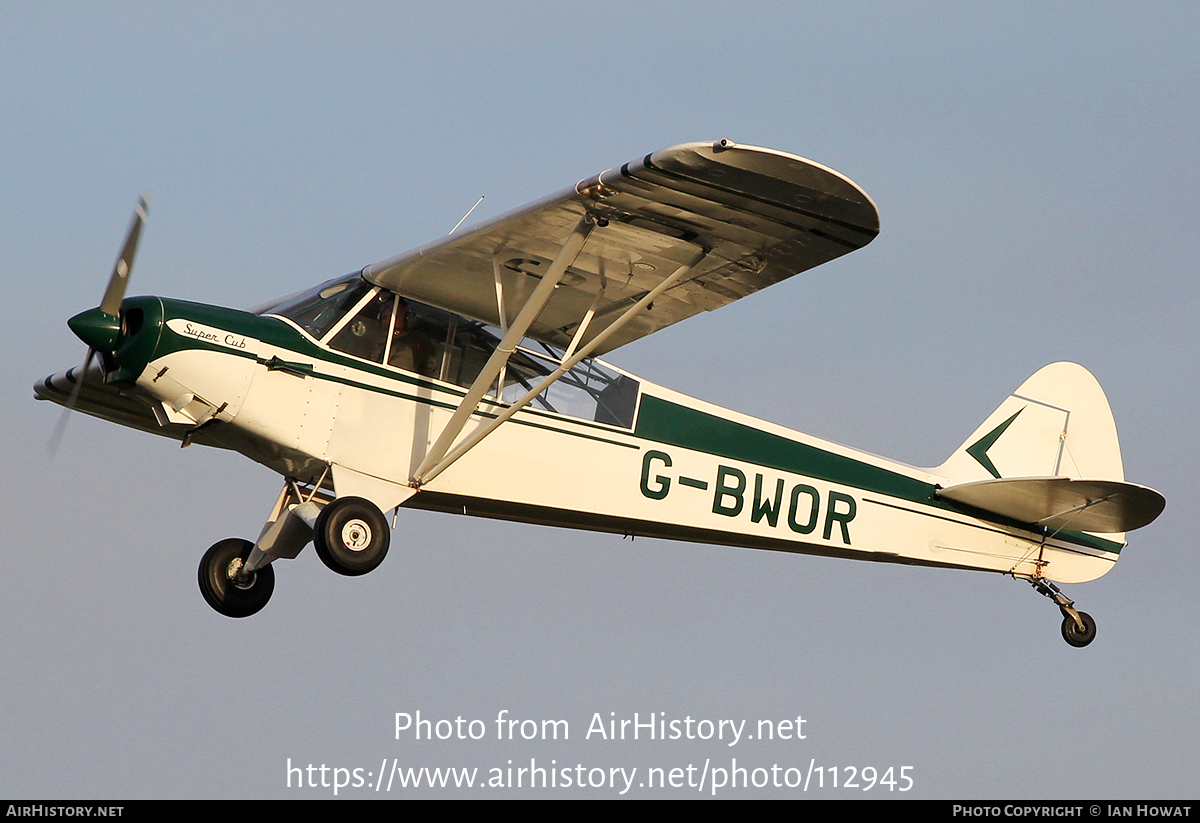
[{"x": 366, "y": 334}]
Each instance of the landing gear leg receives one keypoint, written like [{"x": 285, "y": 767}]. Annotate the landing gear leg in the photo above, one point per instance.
[
  {"x": 1078, "y": 628},
  {"x": 236, "y": 576}
]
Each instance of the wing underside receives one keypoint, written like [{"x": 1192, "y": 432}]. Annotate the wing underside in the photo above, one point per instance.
[
  {"x": 758, "y": 216},
  {"x": 99, "y": 400}
]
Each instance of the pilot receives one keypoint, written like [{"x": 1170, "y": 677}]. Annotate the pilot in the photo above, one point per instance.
[
  {"x": 411, "y": 349},
  {"x": 365, "y": 335}
]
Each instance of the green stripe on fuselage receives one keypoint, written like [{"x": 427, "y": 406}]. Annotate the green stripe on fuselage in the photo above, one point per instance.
[
  {"x": 665, "y": 422},
  {"x": 662, "y": 421}
]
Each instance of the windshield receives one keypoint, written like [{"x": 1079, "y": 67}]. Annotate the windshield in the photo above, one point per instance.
[{"x": 318, "y": 309}]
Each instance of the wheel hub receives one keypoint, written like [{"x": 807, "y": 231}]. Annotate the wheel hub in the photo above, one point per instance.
[
  {"x": 238, "y": 577},
  {"x": 356, "y": 535}
]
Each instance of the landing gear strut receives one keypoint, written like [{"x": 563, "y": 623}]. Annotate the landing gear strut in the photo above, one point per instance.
[
  {"x": 351, "y": 536},
  {"x": 1078, "y": 628}
]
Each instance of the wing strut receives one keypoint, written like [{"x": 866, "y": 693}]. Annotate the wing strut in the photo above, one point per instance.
[
  {"x": 508, "y": 344},
  {"x": 500, "y": 308},
  {"x": 424, "y": 475}
]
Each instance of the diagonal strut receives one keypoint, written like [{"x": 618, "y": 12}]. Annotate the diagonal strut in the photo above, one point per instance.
[
  {"x": 567, "y": 364},
  {"x": 508, "y": 344}
]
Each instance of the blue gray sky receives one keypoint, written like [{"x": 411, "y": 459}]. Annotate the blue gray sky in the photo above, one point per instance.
[{"x": 1035, "y": 170}]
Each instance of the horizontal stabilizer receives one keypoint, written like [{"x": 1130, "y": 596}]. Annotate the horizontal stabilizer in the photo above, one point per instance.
[{"x": 1104, "y": 506}]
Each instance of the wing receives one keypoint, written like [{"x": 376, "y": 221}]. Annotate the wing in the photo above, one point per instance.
[
  {"x": 107, "y": 403},
  {"x": 760, "y": 216}
]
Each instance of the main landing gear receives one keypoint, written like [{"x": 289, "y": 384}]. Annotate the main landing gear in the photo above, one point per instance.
[
  {"x": 351, "y": 536},
  {"x": 225, "y": 584},
  {"x": 350, "y": 533},
  {"x": 1078, "y": 628}
]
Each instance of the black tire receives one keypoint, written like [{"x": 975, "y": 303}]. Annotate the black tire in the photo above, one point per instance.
[
  {"x": 227, "y": 596},
  {"x": 351, "y": 536},
  {"x": 1074, "y": 635}
]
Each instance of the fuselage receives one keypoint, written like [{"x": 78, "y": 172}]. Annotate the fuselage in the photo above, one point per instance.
[{"x": 620, "y": 455}]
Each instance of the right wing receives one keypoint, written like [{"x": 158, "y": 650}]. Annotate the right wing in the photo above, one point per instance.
[{"x": 760, "y": 215}]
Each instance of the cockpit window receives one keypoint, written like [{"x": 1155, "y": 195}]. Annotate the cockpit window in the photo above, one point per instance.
[
  {"x": 366, "y": 334},
  {"x": 318, "y": 309},
  {"x": 589, "y": 391},
  {"x": 431, "y": 342}
]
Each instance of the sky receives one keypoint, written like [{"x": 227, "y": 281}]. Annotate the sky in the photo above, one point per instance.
[{"x": 1035, "y": 170}]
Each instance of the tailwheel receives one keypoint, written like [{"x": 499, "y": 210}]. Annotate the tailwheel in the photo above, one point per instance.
[
  {"x": 1074, "y": 633},
  {"x": 351, "y": 536},
  {"x": 226, "y": 588},
  {"x": 1078, "y": 628}
]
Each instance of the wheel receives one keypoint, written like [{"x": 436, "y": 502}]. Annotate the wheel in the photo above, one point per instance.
[
  {"x": 225, "y": 594},
  {"x": 1074, "y": 635},
  {"x": 351, "y": 536}
]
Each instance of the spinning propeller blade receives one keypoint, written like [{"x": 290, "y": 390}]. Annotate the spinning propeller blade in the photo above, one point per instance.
[
  {"x": 61, "y": 427},
  {"x": 111, "y": 304},
  {"x": 100, "y": 327}
]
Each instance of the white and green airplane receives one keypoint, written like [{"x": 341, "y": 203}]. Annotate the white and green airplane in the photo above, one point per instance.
[{"x": 462, "y": 377}]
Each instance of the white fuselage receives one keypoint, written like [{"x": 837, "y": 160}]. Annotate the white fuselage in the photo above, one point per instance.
[{"x": 685, "y": 469}]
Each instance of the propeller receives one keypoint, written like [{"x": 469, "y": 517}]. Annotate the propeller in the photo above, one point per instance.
[{"x": 100, "y": 327}]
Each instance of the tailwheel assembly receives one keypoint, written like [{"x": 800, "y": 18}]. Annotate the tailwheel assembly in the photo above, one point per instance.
[{"x": 1078, "y": 628}]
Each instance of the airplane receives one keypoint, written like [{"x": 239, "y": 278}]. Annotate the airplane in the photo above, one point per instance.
[{"x": 463, "y": 377}]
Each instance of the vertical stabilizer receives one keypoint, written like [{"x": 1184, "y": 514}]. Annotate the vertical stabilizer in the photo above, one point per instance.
[{"x": 1057, "y": 424}]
